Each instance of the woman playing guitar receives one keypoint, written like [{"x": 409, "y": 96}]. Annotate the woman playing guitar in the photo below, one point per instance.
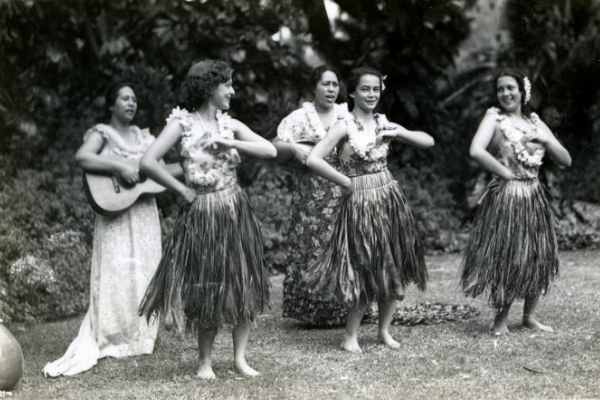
[{"x": 127, "y": 248}]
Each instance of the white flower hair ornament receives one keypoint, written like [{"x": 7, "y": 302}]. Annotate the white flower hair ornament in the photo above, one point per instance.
[
  {"x": 527, "y": 86},
  {"x": 383, "y": 78}
]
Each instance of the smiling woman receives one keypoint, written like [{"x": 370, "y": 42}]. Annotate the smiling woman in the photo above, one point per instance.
[
  {"x": 213, "y": 268},
  {"x": 512, "y": 252},
  {"x": 375, "y": 250}
]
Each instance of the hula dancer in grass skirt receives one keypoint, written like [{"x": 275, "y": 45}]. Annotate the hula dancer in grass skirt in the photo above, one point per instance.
[
  {"x": 212, "y": 266},
  {"x": 375, "y": 249},
  {"x": 512, "y": 251}
]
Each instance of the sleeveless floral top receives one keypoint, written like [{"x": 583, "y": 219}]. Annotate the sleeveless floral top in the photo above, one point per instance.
[
  {"x": 304, "y": 125},
  {"x": 361, "y": 154},
  {"x": 116, "y": 145},
  {"x": 510, "y": 145},
  {"x": 206, "y": 169}
]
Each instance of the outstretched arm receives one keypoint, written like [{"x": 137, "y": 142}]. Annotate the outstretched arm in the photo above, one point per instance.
[
  {"x": 417, "y": 139},
  {"x": 479, "y": 152},
  {"x": 247, "y": 142},
  {"x": 290, "y": 150},
  {"x": 316, "y": 159}
]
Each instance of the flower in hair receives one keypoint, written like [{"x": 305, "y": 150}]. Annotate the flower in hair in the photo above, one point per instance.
[
  {"x": 383, "y": 78},
  {"x": 527, "y": 86}
]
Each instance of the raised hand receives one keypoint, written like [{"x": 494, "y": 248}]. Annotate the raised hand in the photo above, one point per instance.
[
  {"x": 538, "y": 135},
  {"x": 218, "y": 143}
]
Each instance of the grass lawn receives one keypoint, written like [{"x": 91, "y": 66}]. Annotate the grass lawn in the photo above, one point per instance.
[{"x": 458, "y": 360}]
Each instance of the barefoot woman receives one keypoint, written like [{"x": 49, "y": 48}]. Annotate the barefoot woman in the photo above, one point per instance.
[
  {"x": 212, "y": 267},
  {"x": 512, "y": 250},
  {"x": 375, "y": 250}
]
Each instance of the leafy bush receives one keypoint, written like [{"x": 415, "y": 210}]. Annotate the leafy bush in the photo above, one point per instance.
[
  {"x": 47, "y": 220},
  {"x": 271, "y": 199},
  {"x": 434, "y": 207}
]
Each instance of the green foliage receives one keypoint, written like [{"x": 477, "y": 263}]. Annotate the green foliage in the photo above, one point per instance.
[
  {"x": 271, "y": 199},
  {"x": 434, "y": 207},
  {"x": 45, "y": 218},
  {"x": 557, "y": 43}
]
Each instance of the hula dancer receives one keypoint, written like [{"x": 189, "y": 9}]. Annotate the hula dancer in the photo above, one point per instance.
[
  {"x": 375, "y": 249},
  {"x": 213, "y": 266},
  {"x": 512, "y": 251}
]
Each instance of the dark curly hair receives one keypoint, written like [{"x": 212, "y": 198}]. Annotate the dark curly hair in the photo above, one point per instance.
[
  {"x": 359, "y": 72},
  {"x": 202, "y": 80},
  {"x": 113, "y": 92},
  {"x": 317, "y": 73},
  {"x": 519, "y": 78}
]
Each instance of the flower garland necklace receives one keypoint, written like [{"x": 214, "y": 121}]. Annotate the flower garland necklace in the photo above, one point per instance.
[
  {"x": 195, "y": 174},
  {"x": 312, "y": 115},
  {"x": 222, "y": 130},
  {"x": 366, "y": 149},
  {"x": 514, "y": 134}
]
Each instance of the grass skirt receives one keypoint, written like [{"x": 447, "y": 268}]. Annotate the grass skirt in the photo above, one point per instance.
[
  {"x": 212, "y": 267},
  {"x": 375, "y": 249},
  {"x": 512, "y": 250}
]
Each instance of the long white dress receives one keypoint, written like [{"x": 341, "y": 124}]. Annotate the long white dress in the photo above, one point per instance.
[{"x": 126, "y": 252}]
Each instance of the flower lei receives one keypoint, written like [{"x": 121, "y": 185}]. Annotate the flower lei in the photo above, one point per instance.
[
  {"x": 367, "y": 150},
  {"x": 511, "y": 132},
  {"x": 527, "y": 86},
  {"x": 119, "y": 146},
  {"x": 313, "y": 117},
  {"x": 194, "y": 173}
]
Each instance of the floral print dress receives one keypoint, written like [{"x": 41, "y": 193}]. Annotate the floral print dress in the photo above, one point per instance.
[{"x": 314, "y": 208}]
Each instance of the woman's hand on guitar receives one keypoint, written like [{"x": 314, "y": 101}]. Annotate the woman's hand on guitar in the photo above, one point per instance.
[{"x": 129, "y": 174}]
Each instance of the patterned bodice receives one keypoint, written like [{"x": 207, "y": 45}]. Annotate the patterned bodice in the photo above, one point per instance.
[
  {"x": 304, "y": 125},
  {"x": 115, "y": 145},
  {"x": 206, "y": 169},
  {"x": 360, "y": 154},
  {"x": 510, "y": 145}
]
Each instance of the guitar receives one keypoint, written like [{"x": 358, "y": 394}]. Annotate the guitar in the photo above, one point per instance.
[{"x": 110, "y": 196}]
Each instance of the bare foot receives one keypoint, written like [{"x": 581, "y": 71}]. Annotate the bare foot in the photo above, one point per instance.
[
  {"x": 244, "y": 369},
  {"x": 388, "y": 340},
  {"x": 532, "y": 323},
  {"x": 500, "y": 327},
  {"x": 205, "y": 372},
  {"x": 350, "y": 343}
]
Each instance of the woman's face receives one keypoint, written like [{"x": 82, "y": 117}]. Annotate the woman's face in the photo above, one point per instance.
[
  {"x": 222, "y": 95},
  {"x": 367, "y": 92},
  {"x": 509, "y": 95},
  {"x": 125, "y": 105},
  {"x": 327, "y": 90}
]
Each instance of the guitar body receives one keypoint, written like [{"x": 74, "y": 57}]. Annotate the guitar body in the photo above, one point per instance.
[{"x": 109, "y": 196}]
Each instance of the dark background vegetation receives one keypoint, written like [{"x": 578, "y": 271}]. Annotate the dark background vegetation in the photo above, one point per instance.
[{"x": 57, "y": 58}]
